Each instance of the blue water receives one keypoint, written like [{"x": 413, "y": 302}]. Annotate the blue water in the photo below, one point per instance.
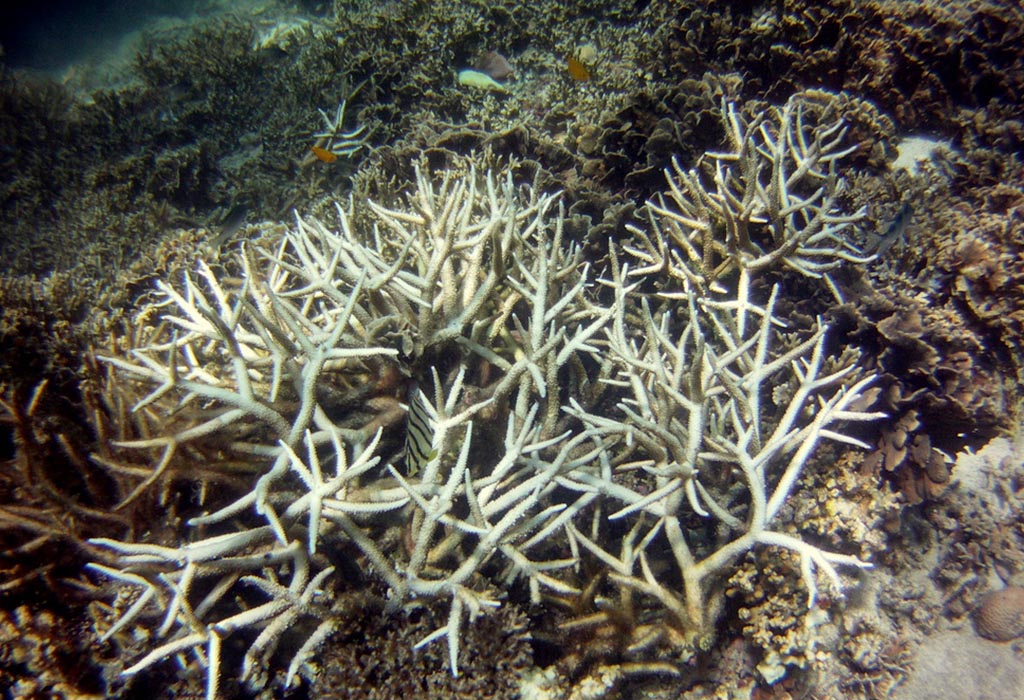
[{"x": 50, "y": 34}]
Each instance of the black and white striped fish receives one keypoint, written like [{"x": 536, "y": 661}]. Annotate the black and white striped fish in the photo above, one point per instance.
[
  {"x": 420, "y": 428},
  {"x": 894, "y": 232}
]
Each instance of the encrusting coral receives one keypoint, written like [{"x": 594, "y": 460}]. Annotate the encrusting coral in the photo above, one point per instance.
[{"x": 561, "y": 423}]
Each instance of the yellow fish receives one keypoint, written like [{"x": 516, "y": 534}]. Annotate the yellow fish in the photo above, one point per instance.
[{"x": 324, "y": 155}]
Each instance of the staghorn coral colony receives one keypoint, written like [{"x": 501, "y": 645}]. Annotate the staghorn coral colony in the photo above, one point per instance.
[
  {"x": 570, "y": 424},
  {"x": 644, "y": 371}
]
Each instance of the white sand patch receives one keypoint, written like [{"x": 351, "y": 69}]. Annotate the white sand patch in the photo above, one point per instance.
[{"x": 913, "y": 150}]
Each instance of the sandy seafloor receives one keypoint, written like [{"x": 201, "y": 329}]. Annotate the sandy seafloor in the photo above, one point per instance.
[{"x": 129, "y": 136}]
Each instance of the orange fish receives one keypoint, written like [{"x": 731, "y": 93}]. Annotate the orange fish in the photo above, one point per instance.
[
  {"x": 577, "y": 71},
  {"x": 324, "y": 155}
]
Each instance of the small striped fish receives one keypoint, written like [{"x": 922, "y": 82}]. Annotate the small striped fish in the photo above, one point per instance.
[{"x": 420, "y": 423}]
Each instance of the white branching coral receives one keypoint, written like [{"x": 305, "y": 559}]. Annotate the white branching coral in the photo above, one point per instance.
[
  {"x": 550, "y": 412},
  {"x": 692, "y": 410},
  {"x": 266, "y": 370},
  {"x": 771, "y": 200},
  {"x": 334, "y": 139}
]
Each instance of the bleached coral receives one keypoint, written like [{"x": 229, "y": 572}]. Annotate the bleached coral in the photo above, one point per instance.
[
  {"x": 693, "y": 411},
  {"x": 247, "y": 366},
  {"x": 598, "y": 405},
  {"x": 772, "y": 200}
]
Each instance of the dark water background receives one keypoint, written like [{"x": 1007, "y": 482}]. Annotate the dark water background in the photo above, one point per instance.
[{"x": 50, "y": 34}]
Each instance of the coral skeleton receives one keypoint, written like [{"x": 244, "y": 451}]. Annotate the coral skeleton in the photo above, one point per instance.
[
  {"x": 560, "y": 410},
  {"x": 693, "y": 403},
  {"x": 772, "y": 199},
  {"x": 335, "y": 139},
  {"x": 246, "y": 367}
]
